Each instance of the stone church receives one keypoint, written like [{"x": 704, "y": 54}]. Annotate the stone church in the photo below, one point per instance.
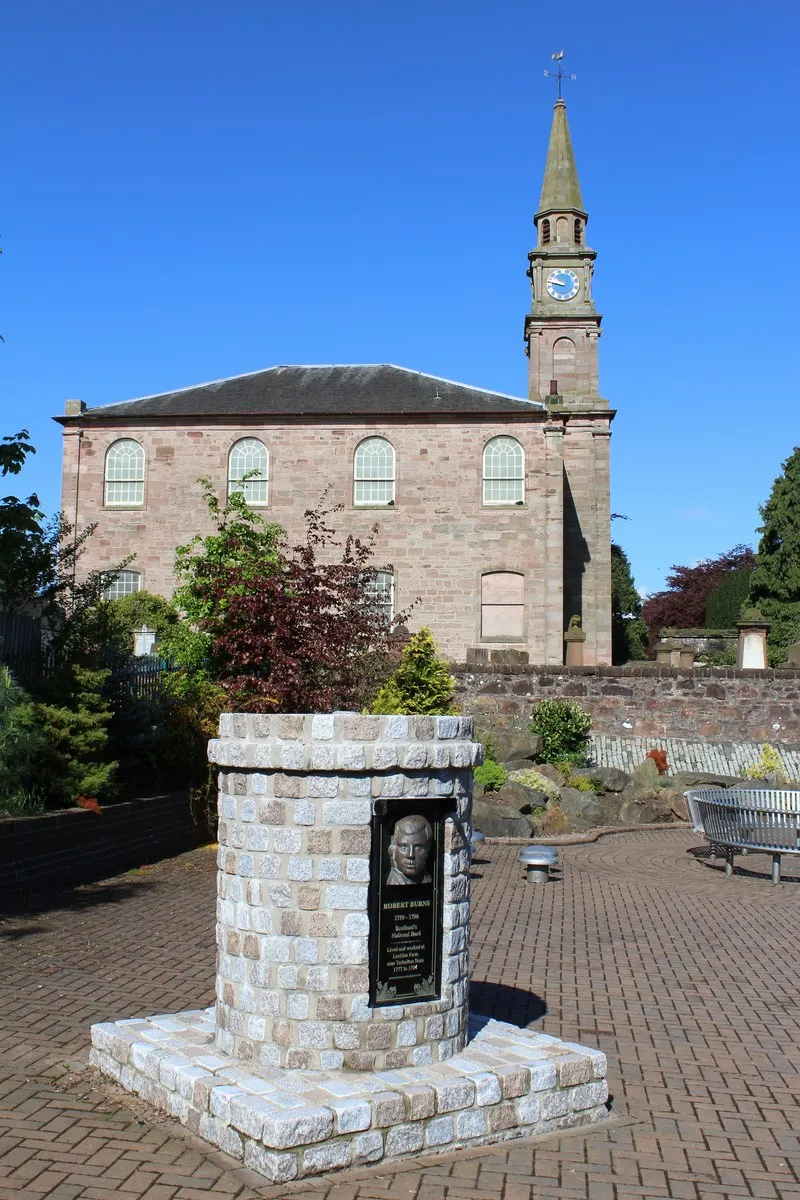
[{"x": 493, "y": 509}]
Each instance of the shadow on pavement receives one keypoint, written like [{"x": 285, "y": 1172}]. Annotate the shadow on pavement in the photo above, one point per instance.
[
  {"x": 70, "y": 899},
  {"x": 756, "y": 864},
  {"x": 497, "y": 1000}
]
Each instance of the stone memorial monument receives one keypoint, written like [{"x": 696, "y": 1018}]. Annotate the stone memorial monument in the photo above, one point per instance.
[{"x": 341, "y": 1032}]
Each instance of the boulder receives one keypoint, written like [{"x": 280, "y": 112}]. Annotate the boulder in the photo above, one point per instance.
[
  {"x": 553, "y": 822},
  {"x": 645, "y": 775},
  {"x": 517, "y": 795},
  {"x": 614, "y": 780},
  {"x": 688, "y": 779},
  {"x": 520, "y": 764},
  {"x": 500, "y": 820},
  {"x": 610, "y": 806},
  {"x": 583, "y": 808},
  {"x": 551, "y": 772},
  {"x": 510, "y": 736},
  {"x": 512, "y": 748},
  {"x": 648, "y": 808}
]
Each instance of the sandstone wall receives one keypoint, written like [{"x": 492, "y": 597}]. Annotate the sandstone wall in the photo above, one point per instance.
[
  {"x": 438, "y": 537},
  {"x": 647, "y": 700}
]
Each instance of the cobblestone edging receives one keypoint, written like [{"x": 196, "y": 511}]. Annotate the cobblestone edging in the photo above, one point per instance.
[
  {"x": 509, "y": 1083},
  {"x": 724, "y": 758}
]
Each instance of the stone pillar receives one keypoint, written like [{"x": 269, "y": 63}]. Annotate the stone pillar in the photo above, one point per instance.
[
  {"x": 553, "y": 596},
  {"x": 752, "y": 649},
  {"x": 574, "y": 639},
  {"x": 301, "y": 802}
]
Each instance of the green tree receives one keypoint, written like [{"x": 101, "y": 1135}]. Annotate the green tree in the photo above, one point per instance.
[
  {"x": 628, "y": 631},
  {"x": 775, "y": 582},
  {"x": 421, "y": 683},
  {"x": 212, "y": 570},
  {"x": 726, "y": 600}
]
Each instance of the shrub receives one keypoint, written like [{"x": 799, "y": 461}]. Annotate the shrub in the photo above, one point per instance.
[
  {"x": 586, "y": 783},
  {"x": 564, "y": 729},
  {"x": 421, "y": 683},
  {"x": 22, "y": 747},
  {"x": 532, "y": 779},
  {"x": 659, "y": 757},
  {"x": 768, "y": 763},
  {"x": 75, "y": 727},
  {"x": 492, "y": 775}
]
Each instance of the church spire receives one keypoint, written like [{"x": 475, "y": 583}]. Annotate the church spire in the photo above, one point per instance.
[{"x": 561, "y": 191}]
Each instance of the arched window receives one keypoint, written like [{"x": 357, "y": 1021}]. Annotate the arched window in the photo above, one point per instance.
[
  {"x": 250, "y": 457},
  {"x": 503, "y": 471},
  {"x": 503, "y": 605},
  {"x": 564, "y": 364},
  {"x": 124, "y": 475},
  {"x": 121, "y": 583},
  {"x": 546, "y": 231},
  {"x": 578, "y": 231},
  {"x": 380, "y": 592},
  {"x": 373, "y": 474},
  {"x": 562, "y": 225}
]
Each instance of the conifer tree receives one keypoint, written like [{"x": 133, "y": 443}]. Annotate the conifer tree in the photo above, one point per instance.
[
  {"x": 628, "y": 630},
  {"x": 775, "y": 582},
  {"x": 421, "y": 683}
]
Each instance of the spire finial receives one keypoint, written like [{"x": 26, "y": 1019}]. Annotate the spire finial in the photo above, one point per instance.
[{"x": 559, "y": 76}]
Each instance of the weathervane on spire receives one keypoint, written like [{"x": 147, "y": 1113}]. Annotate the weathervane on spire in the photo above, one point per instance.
[{"x": 558, "y": 57}]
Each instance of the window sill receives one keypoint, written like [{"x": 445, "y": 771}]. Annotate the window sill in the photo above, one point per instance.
[
  {"x": 124, "y": 507},
  {"x": 374, "y": 507},
  {"x": 495, "y": 640}
]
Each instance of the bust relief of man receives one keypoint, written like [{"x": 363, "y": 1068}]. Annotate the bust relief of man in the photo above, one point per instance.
[{"x": 409, "y": 849}]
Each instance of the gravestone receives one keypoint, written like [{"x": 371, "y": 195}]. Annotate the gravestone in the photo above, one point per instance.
[{"x": 341, "y": 1032}]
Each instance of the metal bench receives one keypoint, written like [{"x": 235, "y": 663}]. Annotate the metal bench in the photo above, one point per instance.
[
  {"x": 538, "y": 861},
  {"x": 743, "y": 819}
]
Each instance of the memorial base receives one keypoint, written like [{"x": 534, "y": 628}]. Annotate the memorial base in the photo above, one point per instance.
[{"x": 289, "y": 1124}]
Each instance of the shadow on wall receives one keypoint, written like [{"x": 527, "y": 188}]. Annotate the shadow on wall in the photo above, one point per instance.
[{"x": 576, "y": 557}]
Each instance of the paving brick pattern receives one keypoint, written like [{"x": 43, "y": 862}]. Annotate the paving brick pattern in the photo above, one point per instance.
[{"x": 688, "y": 982}]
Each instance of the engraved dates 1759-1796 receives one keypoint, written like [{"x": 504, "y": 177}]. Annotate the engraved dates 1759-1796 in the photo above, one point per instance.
[{"x": 406, "y": 901}]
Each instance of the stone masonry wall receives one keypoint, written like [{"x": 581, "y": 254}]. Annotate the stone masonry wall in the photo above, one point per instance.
[
  {"x": 438, "y": 537},
  {"x": 296, "y": 797},
  {"x": 648, "y": 700}
]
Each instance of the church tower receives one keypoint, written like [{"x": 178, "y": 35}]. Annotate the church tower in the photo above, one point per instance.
[
  {"x": 561, "y": 341},
  {"x": 563, "y": 326}
]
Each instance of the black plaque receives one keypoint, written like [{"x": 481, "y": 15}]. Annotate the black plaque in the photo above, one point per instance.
[{"x": 406, "y": 882}]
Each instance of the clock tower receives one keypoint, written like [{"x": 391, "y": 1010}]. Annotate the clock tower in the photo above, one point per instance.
[
  {"x": 563, "y": 326},
  {"x": 561, "y": 341}
]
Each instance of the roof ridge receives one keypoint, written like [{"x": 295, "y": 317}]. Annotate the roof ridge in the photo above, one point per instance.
[{"x": 321, "y": 366}]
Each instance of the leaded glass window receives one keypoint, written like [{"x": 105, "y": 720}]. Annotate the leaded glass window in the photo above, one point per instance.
[
  {"x": 124, "y": 474},
  {"x": 122, "y": 583},
  {"x": 373, "y": 474},
  {"x": 503, "y": 471},
  {"x": 249, "y": 457}
]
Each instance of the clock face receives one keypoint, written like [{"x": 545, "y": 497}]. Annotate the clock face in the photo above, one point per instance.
[{"x": 563, "y": 284}]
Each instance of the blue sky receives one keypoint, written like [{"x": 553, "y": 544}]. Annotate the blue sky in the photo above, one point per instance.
[{"x": 196, "y": 190}]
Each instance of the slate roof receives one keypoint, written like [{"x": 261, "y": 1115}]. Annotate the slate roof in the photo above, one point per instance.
[{"x": 380, "y": 390}]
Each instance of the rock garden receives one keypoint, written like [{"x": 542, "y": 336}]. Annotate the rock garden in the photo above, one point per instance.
[{"x": 537, "y": 779}]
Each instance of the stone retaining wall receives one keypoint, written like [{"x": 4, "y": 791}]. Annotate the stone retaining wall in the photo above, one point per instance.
[
  {"x": 75, "y": 846},
  {"x": 647, "y": 700}
]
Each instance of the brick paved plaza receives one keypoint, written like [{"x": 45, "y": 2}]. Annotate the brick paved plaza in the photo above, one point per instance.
[{"x": 688, "y": 982}]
